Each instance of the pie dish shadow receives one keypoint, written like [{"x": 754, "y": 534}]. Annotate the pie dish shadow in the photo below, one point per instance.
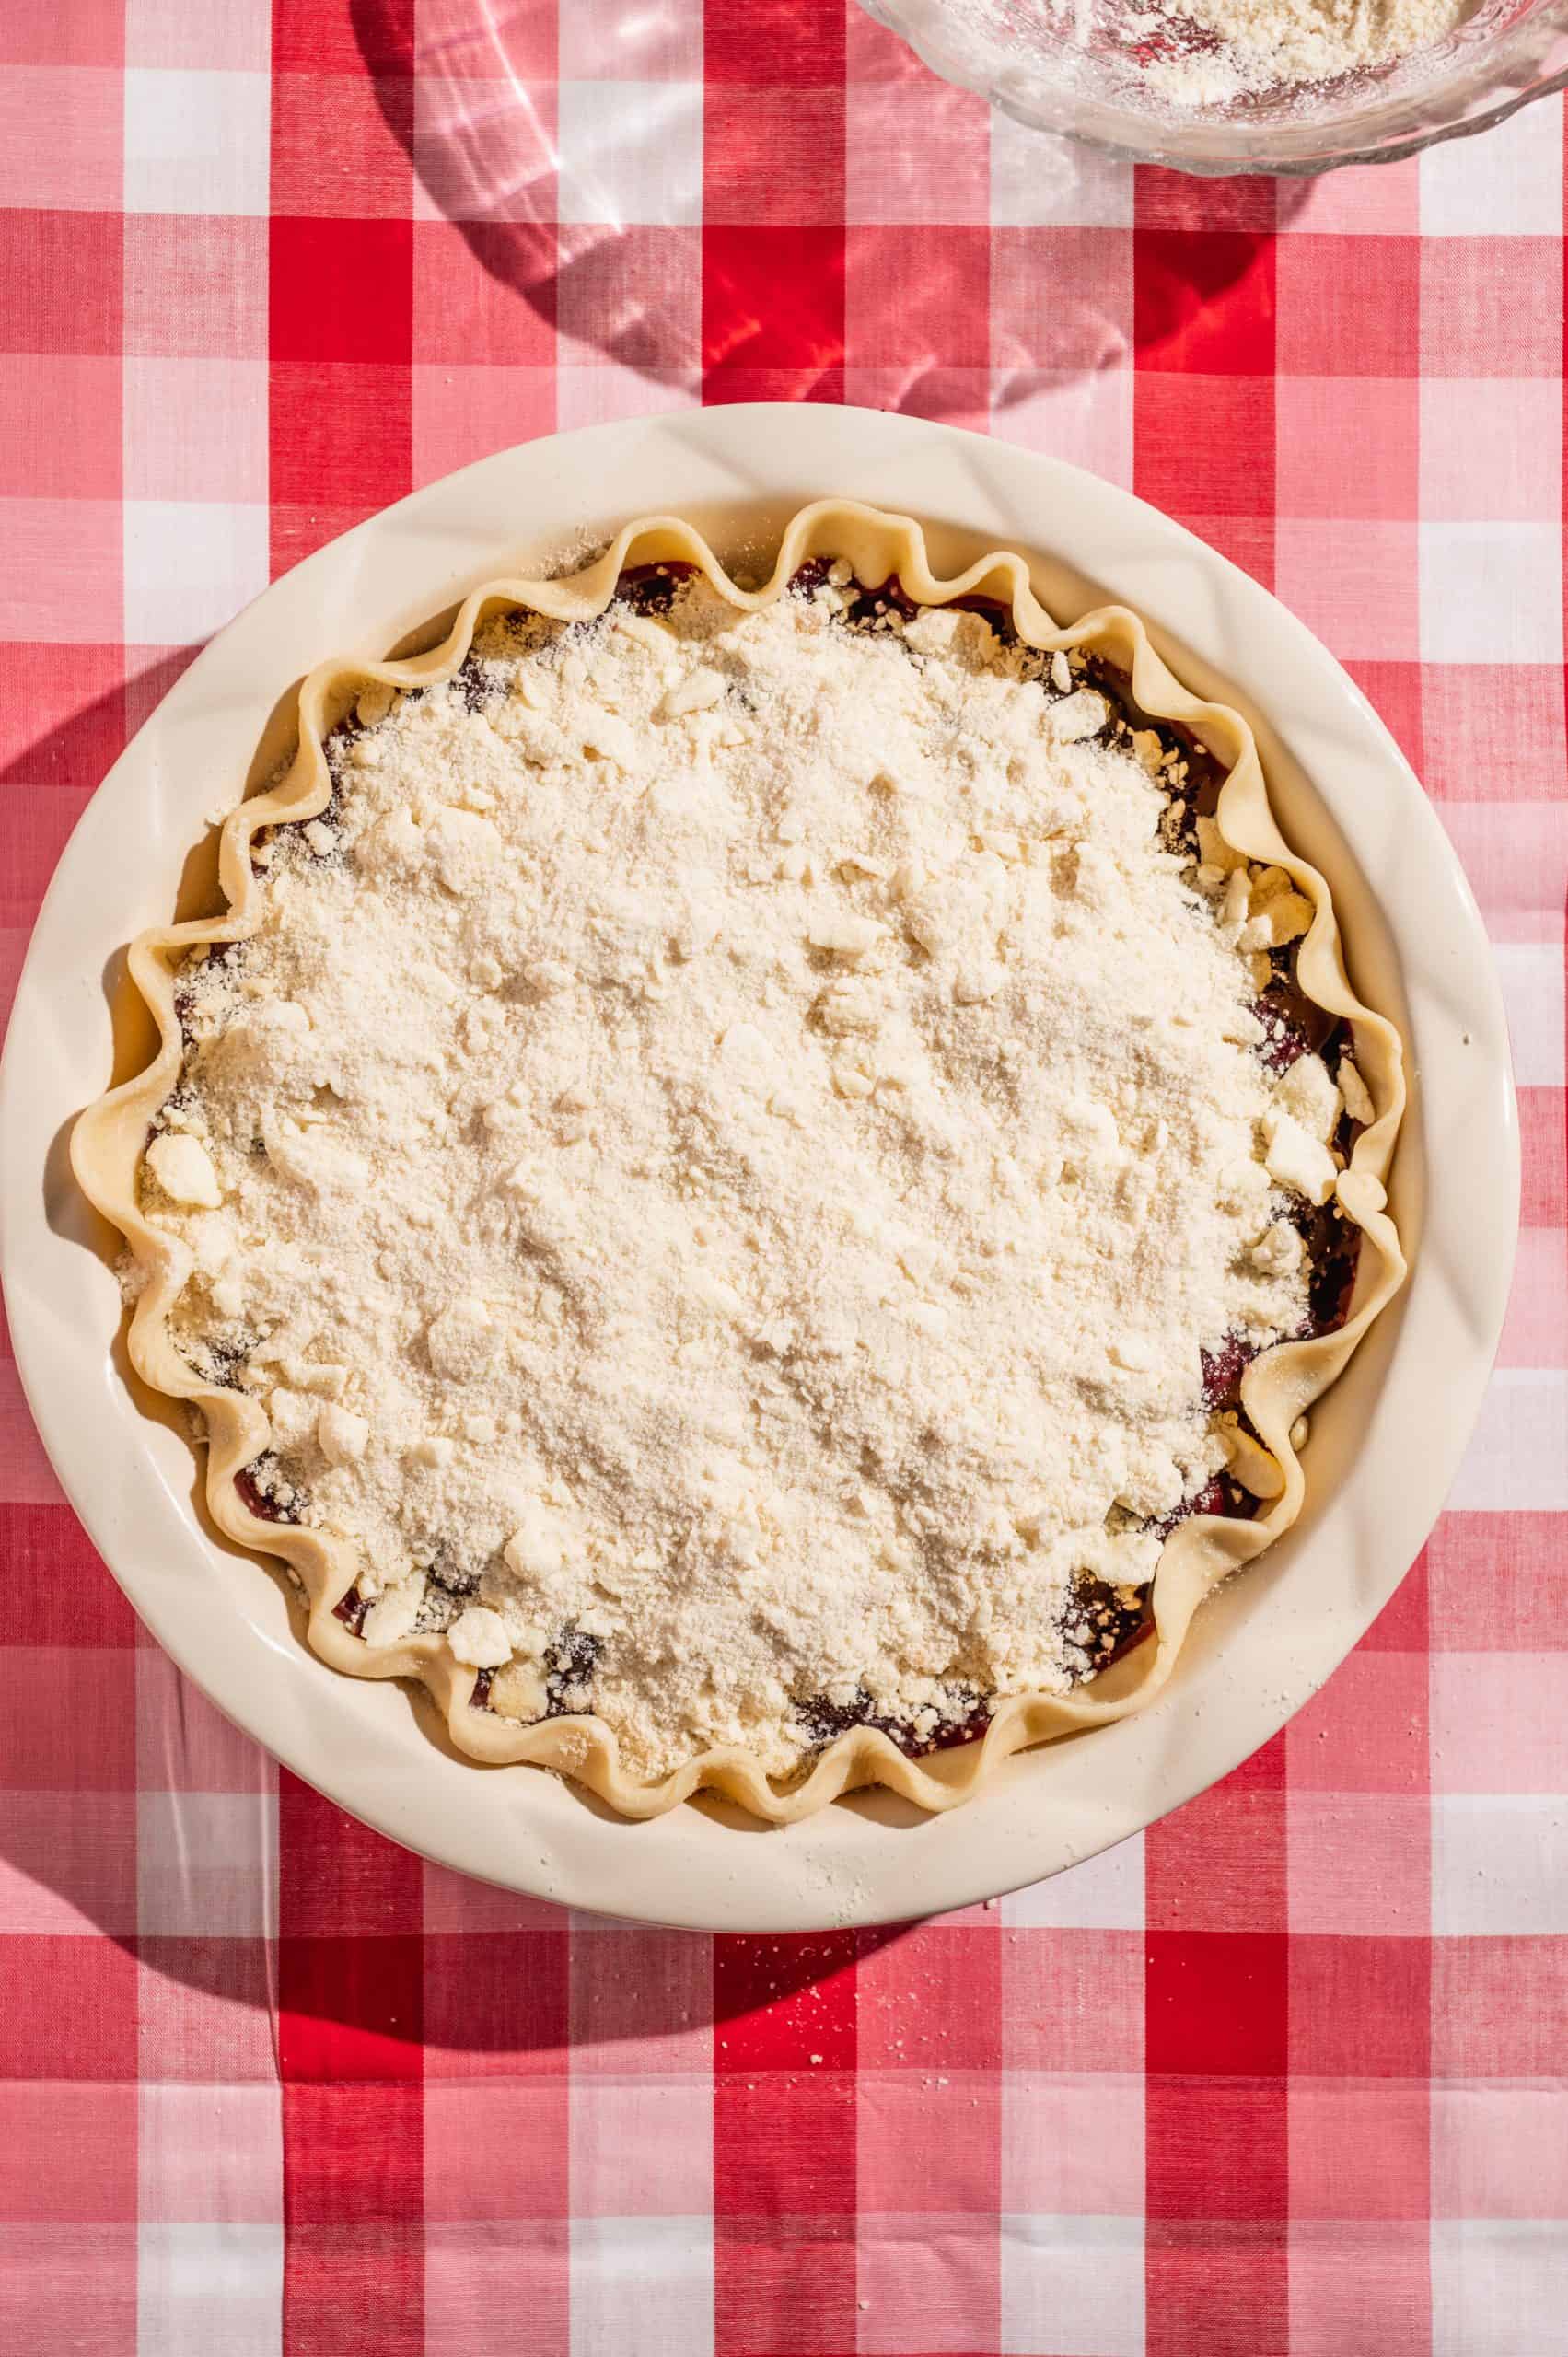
[{"x": 1276, "y": 1389}]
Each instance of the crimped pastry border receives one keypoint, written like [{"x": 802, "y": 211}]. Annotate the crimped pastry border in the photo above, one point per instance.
[{"x": 110, "y": 1138}]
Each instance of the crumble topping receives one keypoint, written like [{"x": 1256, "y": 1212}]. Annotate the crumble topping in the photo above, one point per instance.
[{"x": 728, "y": 1161}]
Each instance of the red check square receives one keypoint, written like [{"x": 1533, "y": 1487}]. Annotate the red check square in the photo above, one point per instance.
[
  {"x": 336, "y": 1879},
  {"x": 1204, "y": 301},
  {"x": 57, "y": 1592},
  {"x": 496, "y": 2005},
  {"x": 1223, "y": 1867},
  {"x": 371, "y": 134},
  {"x": 70, "y": 2010},
  {"x": 1348, "y": 306},
  {"x": 772, "y": 156},
  {"x": 67, "y": 2153},
  {"x": 917, "y": 297},
  {"x": 53, "y": 2276},
  {"x": 1365, "y": 1731},
  {"x": 349, "y": 2010},
  {"x": 497, "y": 2150},
  {"x": 69, "y": 1863},
  {"x": 346, "y": 423},
  {"x": 1219, "y": 2152},
  {"x": 1205, "y": 444},
  {"x": 62, "y": 273},
  {"x": 772, "y": 42},
  {"x": 1348, "y": 447},
  {"x": 90, "y": 32},
  {"x": 774, "y": 299},
  {"x": 484, "y": 292},
  {"x": 342, "y": 37},
  {"x": 783, "y": 1999},
  {"x": 60, "y": 432},
  {"x": 62, "y": 136},
  {"x": 1359, "y": 2147},
  {"x": 930, "y": 2001},
  {"x": 70, "y": 1723},
  {"x": 1359, "y": 2007},
  {"x": 641, "y": 2005},
  {"x": 341, "y": 290},
  {"x": 1216, "y": 2244},
  {"x": 1218, "y": 2003}
]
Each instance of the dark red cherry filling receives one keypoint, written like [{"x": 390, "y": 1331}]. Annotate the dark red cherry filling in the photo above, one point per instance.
[
  {"x": 226, "y": 1364},
  {"x": 651, "y": 588},
  {"x": 261, "y": 1503},
  {"x": 450, "y": 1574},
  {"x": 223, "y": 957},
  {"x": 570, "y": 1660},
  {"x": 1294, "y": 1025},
  {"x": 822, "y": 1722},
  {"x": 474, "y": 683}
]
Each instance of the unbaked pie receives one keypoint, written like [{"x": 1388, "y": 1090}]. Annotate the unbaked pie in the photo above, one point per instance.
[{"x": 755, "y": 1185}]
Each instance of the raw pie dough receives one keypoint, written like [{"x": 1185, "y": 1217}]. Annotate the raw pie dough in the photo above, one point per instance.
[{"x": 692, "y": 1216}]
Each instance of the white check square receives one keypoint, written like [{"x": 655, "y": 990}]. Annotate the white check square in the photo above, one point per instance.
[
  {"x": 1498, "y": 2287},
  {"x": 1490, "y": 592},
  {"x": 1071, "y": 2286},
  {"x": 1518, "y": 1459},
  {"x": 189, "y": 566},
  {"x": 1531, "y": 976},
  {"x": 631, "y": 152},
  {"x": 1104, "y": 1894},
  {"x": 1040, "y": 182},
  {"x": 207, "y": 1865},
  {"x": 1499, "y": 1864},
  {"x": 644, "y": 2284},
  {"x": 209, "y": 2286},
  {"x": 197, "y": 141},
  {"x": 1507, "y": 185}
]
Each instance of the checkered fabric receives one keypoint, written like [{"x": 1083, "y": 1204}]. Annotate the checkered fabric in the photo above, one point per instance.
[{"x": 1289, "y": 2074}]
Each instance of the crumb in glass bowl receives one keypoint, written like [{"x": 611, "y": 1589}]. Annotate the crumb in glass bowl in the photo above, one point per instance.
[{"x": 1212, "y": 87}]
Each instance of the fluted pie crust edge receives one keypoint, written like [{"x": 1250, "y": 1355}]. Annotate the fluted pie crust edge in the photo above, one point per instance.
[{"x": 111, "y": 1136}]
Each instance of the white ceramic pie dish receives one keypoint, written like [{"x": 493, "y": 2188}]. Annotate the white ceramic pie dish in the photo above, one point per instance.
[{"x": 1386, "y": 1441}]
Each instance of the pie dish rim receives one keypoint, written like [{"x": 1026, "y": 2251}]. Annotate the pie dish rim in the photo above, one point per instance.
[{"x": 1277, "y": 1386}]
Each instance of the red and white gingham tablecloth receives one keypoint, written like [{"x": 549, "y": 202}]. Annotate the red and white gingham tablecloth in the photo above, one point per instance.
[{"x": 1291, "y": 2071}]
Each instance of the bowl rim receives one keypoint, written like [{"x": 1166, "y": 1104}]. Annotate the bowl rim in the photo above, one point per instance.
[{"x": 1261, "y": 1647}]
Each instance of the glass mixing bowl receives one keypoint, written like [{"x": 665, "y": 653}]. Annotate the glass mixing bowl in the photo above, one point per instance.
[{"x": 1025, "y": 57}]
